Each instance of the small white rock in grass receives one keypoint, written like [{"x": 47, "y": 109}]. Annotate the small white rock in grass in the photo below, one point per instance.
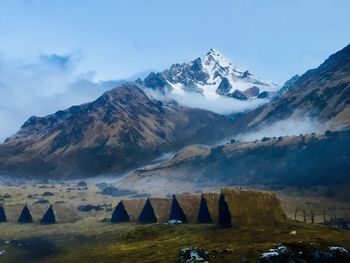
[
  {"x": 269, "y": 254},
  {"x": 2, "y": 252},
  {"x": 174, "y": 222},
  {"x": 340, "y": 249},
  {"x": 294, "y": 232}
]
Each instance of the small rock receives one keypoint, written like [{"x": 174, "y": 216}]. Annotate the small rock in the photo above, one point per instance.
[
  {"x": 174, "y": 222},
  {"x": 48, "y": 194}
]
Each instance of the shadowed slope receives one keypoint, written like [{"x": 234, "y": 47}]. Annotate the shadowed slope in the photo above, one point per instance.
[{"x": 123, "y": 128}]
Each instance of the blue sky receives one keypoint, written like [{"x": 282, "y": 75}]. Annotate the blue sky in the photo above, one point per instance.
[
  {"x": 65, "y": 43},
  {"x": 119, "y": 38}
]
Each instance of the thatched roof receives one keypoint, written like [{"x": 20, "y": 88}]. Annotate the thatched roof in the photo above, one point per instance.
[
  {"x": 128, "y": 210},
  {"x": 37, "y": 211},
  {"x": 157, "y": 209},
  {"x": 13, "y": 212},
  {"x": 65, "y": 213},
  {"x": 212, "y": 201},
  {"x": 189, "y": 205},
  {"x": 253, "y": 208},
  {"x": 134, "y": 207}
]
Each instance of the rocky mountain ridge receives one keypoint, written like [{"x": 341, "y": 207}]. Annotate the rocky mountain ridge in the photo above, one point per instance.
[{"x": 212, "y": 76}]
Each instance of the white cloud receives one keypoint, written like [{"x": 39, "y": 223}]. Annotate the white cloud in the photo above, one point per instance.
[
  {"x": 291, "y": 126},
  {"x": 220, "y": 105},
  {"x": 42, "y": 87}
]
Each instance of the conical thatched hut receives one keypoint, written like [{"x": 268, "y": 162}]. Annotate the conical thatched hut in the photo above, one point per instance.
[
  {"x": 49, "y": 217},
  {"x": 2, "y": 214},
  {"x": 25, "y": 216},
  {"x": 242, "y": 207},
  {"x": 209, "y": 208},
  {"x": 41, "y": 213},
  {"x": 185, "y": 208},
  {"x": 128, "y": 210},
  {"x": 156, "y": 210}
]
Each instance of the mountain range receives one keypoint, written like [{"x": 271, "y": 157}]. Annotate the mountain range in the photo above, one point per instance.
[{"x": 127, "y": 127}]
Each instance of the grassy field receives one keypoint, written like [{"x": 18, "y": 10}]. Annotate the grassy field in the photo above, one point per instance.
[
  {"x": 91, "y": 241},
  {"x": 94, "y": 239}
]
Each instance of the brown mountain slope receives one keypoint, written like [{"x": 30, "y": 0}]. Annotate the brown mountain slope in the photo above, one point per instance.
[
  {"x": 322, "y": 93},
  {"x": 120, "y": 130}
]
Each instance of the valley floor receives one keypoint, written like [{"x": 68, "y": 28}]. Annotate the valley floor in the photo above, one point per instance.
[
  {"x": 91, "y": 241},
  {"x": 95, "y": 239}
]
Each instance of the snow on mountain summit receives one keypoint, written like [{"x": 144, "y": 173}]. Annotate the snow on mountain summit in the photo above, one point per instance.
[{"x": 212, "y": 76}]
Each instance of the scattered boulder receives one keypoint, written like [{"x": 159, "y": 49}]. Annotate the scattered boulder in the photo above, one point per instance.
[
  {"x": 114, "y": 191},
  {"x": 189, "y": 255},
  {"x": 42, "y": 201},
  {"x": 89, "y": 208},
  {"x": 48, "y": 194},
  {"x": 6, "y": 196},
  {"x": 192, "y": 255},
  {"x": 220, "y": 252},
  {"x": 82, "y": 185},
  {"x": 297, "y": 254}
]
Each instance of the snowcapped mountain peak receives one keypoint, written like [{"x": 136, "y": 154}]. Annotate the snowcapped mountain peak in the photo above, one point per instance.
[
  {"x": 214, "y": 57},
  {"x": 212, "y": 76}
]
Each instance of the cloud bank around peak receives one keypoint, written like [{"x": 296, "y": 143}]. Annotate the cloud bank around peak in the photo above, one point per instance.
[
  {"x": 220, "y": 105},
  {"x": 49, "y": 83}
]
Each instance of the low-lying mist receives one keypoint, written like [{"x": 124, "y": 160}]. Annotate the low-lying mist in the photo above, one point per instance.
[{"x": 288, "y": 127}]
